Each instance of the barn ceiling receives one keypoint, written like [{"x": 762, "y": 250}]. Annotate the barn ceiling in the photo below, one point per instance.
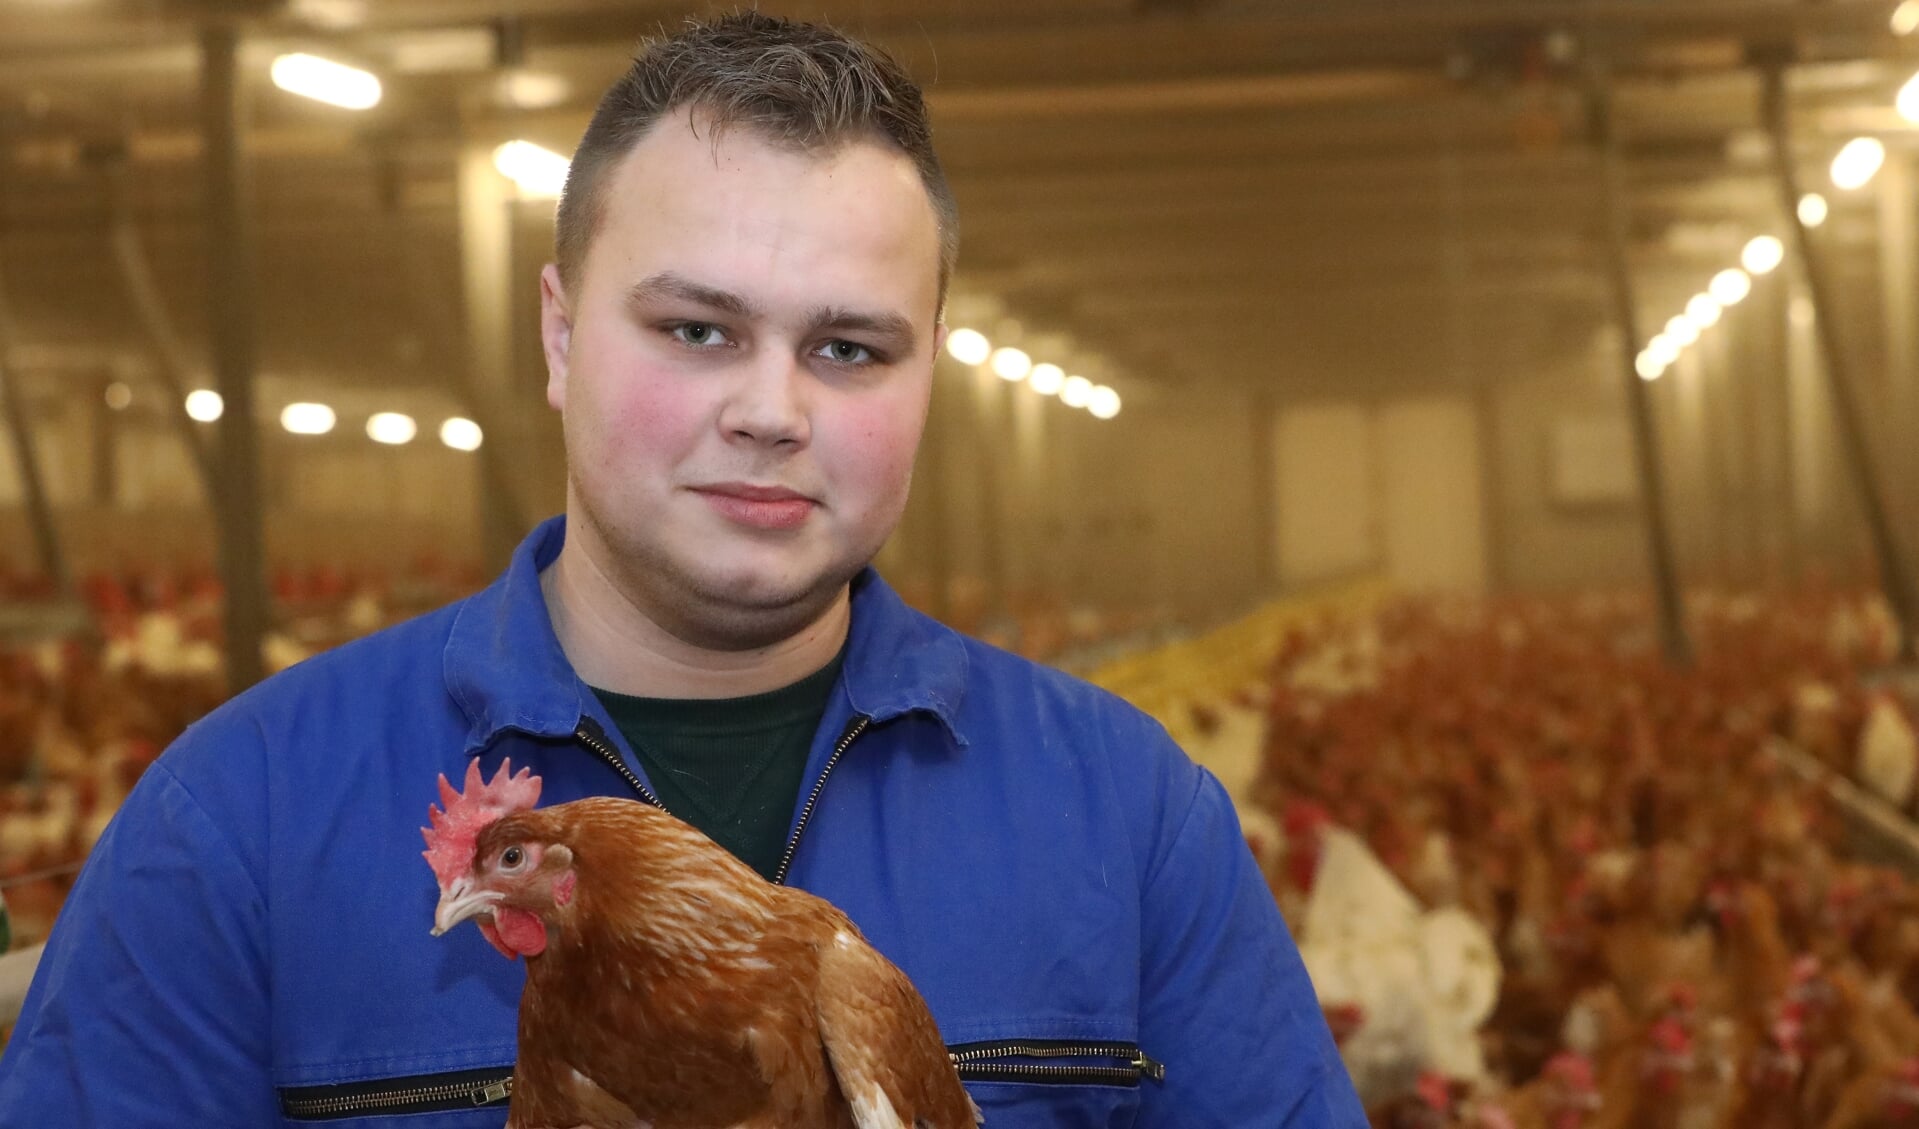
[{"x": 1281, "y": 196}]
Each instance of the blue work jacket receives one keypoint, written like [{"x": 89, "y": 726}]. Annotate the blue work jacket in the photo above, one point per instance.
[{"x": 248, "y": 944}]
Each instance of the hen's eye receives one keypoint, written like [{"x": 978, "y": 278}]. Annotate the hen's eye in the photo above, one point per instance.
[{"x": 513, "y": 857}]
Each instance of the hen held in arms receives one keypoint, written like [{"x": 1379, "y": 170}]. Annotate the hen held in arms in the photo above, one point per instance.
[{"x": 669, "y": 985}]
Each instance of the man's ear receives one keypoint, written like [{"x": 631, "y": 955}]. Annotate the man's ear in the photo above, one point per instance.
[{"x": 556, "y": 334}]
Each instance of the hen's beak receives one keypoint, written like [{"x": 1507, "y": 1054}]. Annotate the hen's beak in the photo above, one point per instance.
[{"x": 460, "y": 901}]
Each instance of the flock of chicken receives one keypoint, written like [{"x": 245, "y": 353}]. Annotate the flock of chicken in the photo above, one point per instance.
[
  {"x": 80, "y": 719},
  {"x": 1545, "y": 879}
]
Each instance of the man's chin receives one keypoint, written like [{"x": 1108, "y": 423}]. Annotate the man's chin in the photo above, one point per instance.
[
  {"x": 745, "y": 607},
  {"x": 757, "y": 582}
]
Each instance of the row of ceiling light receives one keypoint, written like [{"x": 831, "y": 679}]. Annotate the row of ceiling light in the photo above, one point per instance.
[
  {"x": 970, "y": 347},
  {"x": 1852, "y": 169},
  {"x": 540, "y": 173},
  {"x": 392, "y": 428},
  {"x": 1728, "y": 288}
]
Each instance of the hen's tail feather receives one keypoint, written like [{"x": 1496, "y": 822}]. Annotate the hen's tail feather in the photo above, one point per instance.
[
  {"x": 978, "y": 1117},
  {"x": 882, "y": 1043}
]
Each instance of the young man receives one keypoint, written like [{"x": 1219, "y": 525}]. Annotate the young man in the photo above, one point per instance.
[{"x": 740, "y": 332}]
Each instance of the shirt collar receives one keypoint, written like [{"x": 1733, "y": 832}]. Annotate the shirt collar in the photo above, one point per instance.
[
  {"x": 503, "y": 662},
  {"x": 899, "y": 661},
  {"x": 504, "y": 665}
]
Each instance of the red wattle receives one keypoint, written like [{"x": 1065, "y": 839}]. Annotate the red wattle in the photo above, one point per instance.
[
  {"x": 492, "y": 936},
  {"x": 520, "y": 932}
]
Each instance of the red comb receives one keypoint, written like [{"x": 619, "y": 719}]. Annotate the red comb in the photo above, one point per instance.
[
  {"x": 1303, "y": 817},
  {"x": 451, "y": 838},
  {"x": 1572, "y": 1070},
  {"x": 1683, "y": 996},
  {"x": 1345, "y": 1020},
  {"x": 1434, "y": 1090},
  {"x": 1671, "y": 1037}
]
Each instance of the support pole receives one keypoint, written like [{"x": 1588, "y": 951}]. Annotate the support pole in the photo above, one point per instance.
[
  {"x": 136, "y": 271},
  {"x": 1652, "y": 488},
  {"x": 46, "y": 536},
  {"x": 1899, "y": 297},
  {"x": 502, "y": 522},
  {"x": 104, "y": 446},
  {"x": 230, "y": 292},
  {"x": 1894, "y": 574},
  {"x": 988, "y": 420},
  {"x": 486, "y": 265}
]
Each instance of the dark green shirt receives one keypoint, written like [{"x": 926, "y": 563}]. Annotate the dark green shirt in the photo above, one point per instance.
[{"x": 729, "y": 766}]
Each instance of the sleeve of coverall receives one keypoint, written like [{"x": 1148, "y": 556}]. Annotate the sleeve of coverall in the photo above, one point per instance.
[
  {"x": 149, "y": 1007},
  {"x": 1225, "y": 1000}
]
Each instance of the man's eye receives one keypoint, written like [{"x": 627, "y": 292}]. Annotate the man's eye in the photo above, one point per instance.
[
  {"x": 698, "y": 333},
  {"x": 513, "y": 857},
  {"x": 847, "y": 353}
]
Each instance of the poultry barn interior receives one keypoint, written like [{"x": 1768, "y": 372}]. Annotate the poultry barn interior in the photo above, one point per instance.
[{"x": 1472, "y": 428}]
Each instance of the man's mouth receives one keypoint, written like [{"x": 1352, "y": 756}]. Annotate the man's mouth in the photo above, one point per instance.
[{"x": 759, "y": 507}]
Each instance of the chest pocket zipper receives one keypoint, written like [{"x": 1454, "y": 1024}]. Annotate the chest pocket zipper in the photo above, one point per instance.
[
  {"x": 1001, "y": 1061},
  {"x": 1125, "y": 1064},
  {"x": 426, "y": 1093}
]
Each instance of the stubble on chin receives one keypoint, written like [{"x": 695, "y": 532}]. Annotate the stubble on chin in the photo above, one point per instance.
[
  {"x": 709, "y": 615},
  {"x": 710, "y": 612}
]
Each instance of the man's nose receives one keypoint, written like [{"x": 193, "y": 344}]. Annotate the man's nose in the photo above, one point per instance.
[{"x": 767, "y": 406}]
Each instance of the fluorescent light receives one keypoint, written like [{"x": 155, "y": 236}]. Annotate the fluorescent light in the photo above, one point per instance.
[
  {"x": 1103, "y": 403},
  {"x": 205, "y": 405},
  {"x": 324, "y": 80},
  {"x": 540, "y": 173},
  {"x": 391, "y": 428},
  {"x": 1813, "y": 209},
  {"x": 1649, "y": 367},
  {"x": 1703, "y": 311},
  {"x": 1076, "y": 392},
  {"x": 1046, "y": 379},
  {"x": 1905, "y": 18},
  {"x": 1664, "y": 349},
  {"x": 968, "y": 346},
  {"x": 460, "y": 434},
  {"x": 1681, "y": 331},
  {"x": 1908, "y": 101},
  {"x": 1858, "y": 162},
  {"x": 307, "y": 419},
  {"x": 1763, "y": 255},
  {"x": 1011, "y": 364},
  {"x": 1730, "y": 286},
  {"x": 532, "y": 90},
  {"x": 334, "y": 15}
]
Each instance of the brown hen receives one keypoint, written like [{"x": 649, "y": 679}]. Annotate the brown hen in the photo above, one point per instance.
[{"x": 669, "y": 985}]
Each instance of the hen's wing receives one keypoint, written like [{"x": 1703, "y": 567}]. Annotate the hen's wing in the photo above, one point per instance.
[
  {"x": 550, "y": 1094},
  {"x": 883, "y": 1044}
]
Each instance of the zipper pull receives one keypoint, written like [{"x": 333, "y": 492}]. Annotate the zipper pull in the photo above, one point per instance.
[
  {"x": 1146, "y": 1066},
  {"x": 494, "y": 1092}
]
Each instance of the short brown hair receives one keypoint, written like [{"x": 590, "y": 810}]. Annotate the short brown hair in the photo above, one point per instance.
[{"x": 796, "y": 84}]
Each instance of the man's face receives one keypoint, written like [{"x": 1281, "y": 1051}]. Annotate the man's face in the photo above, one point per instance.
[{"x": 743, "y": 375}]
